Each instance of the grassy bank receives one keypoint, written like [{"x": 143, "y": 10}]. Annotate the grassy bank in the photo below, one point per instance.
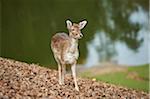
[{"x": 136, "y": 77}]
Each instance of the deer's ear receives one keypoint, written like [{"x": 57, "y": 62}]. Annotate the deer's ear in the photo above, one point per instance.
[
  {"x": 69, "y": 24},
  {"x": 82, "y": 24}
]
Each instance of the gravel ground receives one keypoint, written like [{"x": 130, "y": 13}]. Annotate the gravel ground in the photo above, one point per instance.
[{"x": 19, "y": 80}]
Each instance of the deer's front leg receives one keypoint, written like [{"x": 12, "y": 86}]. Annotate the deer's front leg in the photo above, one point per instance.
[{"x": 73, "y": 68}]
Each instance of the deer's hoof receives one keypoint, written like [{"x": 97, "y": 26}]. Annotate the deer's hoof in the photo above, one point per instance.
[
  {"x": 61, "y": 83},
  {"x": 77, "y": 88}
]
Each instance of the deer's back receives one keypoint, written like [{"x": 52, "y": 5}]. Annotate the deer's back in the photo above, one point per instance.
[{"x": 58, "y": 41}]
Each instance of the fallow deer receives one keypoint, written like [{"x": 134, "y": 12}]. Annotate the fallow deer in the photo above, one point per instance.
[{"x": 65, "y": 49}]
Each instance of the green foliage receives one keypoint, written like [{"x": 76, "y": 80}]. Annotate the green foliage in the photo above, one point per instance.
[{"x": 28, "y": 25}]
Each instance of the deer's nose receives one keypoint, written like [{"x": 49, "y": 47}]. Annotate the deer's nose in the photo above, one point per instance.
[{"x": 81, "y": 35}]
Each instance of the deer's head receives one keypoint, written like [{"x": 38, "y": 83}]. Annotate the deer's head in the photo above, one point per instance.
[{"x": 75, "y": 29}]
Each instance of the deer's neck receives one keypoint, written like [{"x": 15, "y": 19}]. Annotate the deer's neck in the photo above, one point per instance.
[{"x": 73, "y": 44}]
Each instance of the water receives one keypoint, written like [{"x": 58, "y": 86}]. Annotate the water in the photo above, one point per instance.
[
  {"x": 117, "y": 52},
  {"x": 100, "y": 49},
  {"x": 116, "y": 31}
]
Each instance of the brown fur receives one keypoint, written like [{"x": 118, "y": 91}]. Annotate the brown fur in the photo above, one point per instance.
[{"x": 65, "y": 49}]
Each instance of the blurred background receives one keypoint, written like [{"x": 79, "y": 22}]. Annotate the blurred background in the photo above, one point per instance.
[{"x": 117, "y": 31}]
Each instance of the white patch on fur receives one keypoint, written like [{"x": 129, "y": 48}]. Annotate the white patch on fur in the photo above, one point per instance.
[{"x": 72, "y": 53}]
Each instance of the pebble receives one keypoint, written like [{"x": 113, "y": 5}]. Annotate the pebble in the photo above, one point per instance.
[{"x": 19, "y": 80}]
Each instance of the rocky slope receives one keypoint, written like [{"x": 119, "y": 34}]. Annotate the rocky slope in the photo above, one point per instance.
[{"x": 30, "y": 81}]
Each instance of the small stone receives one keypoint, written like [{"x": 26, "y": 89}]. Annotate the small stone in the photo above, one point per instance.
[{"x": 20, "y": 80}]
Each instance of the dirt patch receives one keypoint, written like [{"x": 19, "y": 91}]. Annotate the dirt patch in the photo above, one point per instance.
[
  {"x": 102, "y": 69},
  {"x": 135, "y": 76},
  {"x": 29, "y": 81}
]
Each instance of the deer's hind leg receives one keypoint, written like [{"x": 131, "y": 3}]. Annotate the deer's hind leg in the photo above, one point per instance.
[
  {"x": 63, "y": 72},
  {"x": 60, "y": 73},
  {"x": 59, "y": 69}
]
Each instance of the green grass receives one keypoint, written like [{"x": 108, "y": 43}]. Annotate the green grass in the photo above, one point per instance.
[
  {"x": 143, "y": 71},
  {"x": 120, "y": 78}
]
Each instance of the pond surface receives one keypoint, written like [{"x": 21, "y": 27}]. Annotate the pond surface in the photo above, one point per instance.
[
  {"x": 117, "y": 30},
  {"x": 101, "y": 49}
]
